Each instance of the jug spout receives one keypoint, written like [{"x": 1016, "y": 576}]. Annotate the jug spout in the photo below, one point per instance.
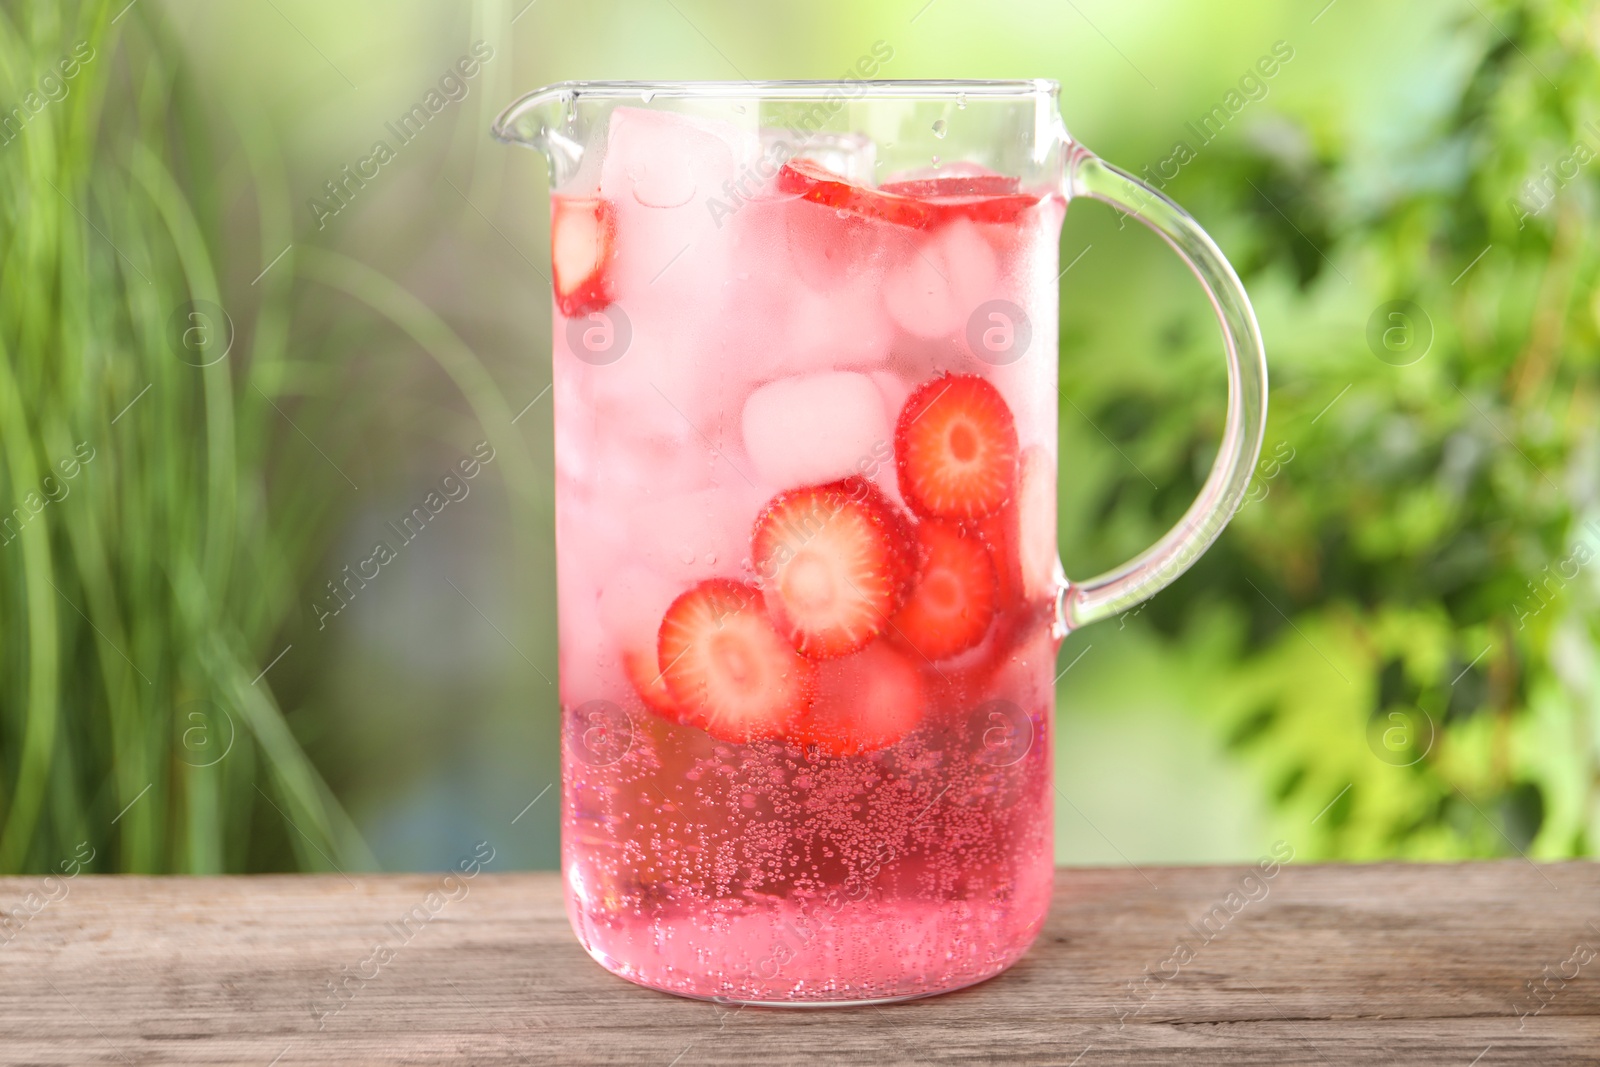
[{"x": 546, "y": 119}]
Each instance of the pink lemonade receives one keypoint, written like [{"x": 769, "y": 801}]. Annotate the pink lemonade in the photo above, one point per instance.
[{"x": 806, "y": 475}]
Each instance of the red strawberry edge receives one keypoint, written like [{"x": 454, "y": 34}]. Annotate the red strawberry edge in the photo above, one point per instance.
[
  {"x": 583, "y": 234},
  {"x": 920, "y": 204},
  {"x": 650, "y": 683},
  {"x": 864, "y": 703}
]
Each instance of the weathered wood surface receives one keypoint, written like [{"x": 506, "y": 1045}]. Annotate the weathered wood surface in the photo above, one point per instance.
[{"x": 1334, "y": 965}]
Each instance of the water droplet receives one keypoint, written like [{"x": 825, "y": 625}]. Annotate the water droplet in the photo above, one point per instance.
[
  {"x": 711, "y": 559},
  {"x": 686, "y": 557},
  {"x": 738, "y": 109},
  {"x": 961, "y": 101},
  {"x": 935, "y": 162},
  {"x": 939, "y": 128},
  {"x": 648, "y": 95}
]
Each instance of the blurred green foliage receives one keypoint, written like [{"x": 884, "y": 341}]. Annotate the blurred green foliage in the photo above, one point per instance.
[
  {"x": 1399, "y": 634},
  {"x": 1391, "y": 652},
  {"x": 143, "y": 588}
]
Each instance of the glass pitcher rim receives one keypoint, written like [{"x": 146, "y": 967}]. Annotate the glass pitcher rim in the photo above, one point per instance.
[
  {"x": 789, "y": 89},
  {"x": 803, "y": 88}
]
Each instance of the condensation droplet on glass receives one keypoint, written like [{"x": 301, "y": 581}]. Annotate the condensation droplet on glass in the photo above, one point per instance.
[
  {"x": 648, "y": 95},
  {"x": 738, "y": 109},
  {"x": 711, "y": 559},
  {"x": 686, "y": 557},
  {"x": 936, "y": 162},
  {"x": 939, "y": 128},
  {"x": 961, "y": 101}
]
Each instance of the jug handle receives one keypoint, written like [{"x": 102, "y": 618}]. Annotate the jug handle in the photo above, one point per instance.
[{"x": 1113, "y": 592}]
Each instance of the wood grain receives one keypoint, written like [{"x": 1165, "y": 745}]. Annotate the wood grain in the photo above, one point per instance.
[{"x": 1362, "y": 964}]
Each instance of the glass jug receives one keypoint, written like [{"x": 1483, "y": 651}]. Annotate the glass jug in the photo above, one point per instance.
[{"x": 808, "y": 589}]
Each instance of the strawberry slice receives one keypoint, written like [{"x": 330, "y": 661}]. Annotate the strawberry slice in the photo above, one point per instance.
[
  {"x": 979, "y": 197},
  {"x": 1036, "y": 523},
  {"x": 956, "y": 448},
  {"x": 988, "y": 184},
  {"x": 864, "y": 702},
  {"x": 816, "y": 183},
  {"x": 650, "y": 682},
  {"x": 1001, "y": 534},
  {"x": 727, "y": 669},
  {"x": 836, "y": 562},
  {"x": 953, "y": 602},
  {"x": 583, "y": 234},
  {"x": 920, "y": 203},
  {"x": 1022, "y": 535}
]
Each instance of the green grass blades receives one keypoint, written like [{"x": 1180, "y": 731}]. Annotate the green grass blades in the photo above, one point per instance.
[{"x": 145, "y": 574}]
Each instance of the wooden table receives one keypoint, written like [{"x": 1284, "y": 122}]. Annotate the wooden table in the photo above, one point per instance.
[{"x": 1374, "y": 964}]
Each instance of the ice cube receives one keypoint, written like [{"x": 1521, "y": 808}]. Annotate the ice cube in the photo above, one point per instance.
[
  {"x": 662, "y": 171},
  {"x": 815, "y": 428},
  {"x": 1036, "y": 522},
  {"x": 616, "y": 428},
  {"x": 829, "y": 248},
  {"x": 845, "y": 328},
  {"x": 747, "y": 344},
  {"x": 895, "y": 389},
  {"x": 1027, "y": 378},
  {"x": 665, "y": 159},
  {"x": 632, "y": 602},
  {"x": 934, "y": 290},
  {"x": 584, "y": 648},
  {"x": 687, "y": 537},
  {"x": 673, "y": 256}
]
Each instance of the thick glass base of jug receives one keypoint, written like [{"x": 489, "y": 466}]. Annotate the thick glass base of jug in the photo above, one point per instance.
[{"x": 782, "y": 957}]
